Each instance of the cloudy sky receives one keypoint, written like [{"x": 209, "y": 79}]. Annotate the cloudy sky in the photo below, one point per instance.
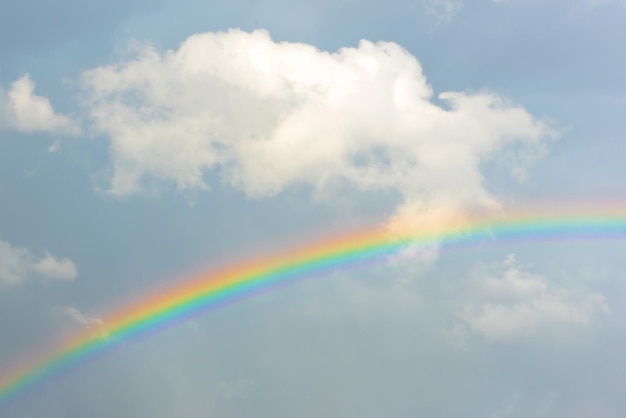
[{"x": 144, "y": 140}]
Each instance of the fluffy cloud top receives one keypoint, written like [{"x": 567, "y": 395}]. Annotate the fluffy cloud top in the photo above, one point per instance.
[
  {"x": 17, "y": 264},
  {"x": 24, "y": 111},
  {"x": 272, "y": 115}
]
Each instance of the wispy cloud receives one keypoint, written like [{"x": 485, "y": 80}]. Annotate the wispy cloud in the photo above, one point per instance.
[
  {"x": 17, "y": 264},
  {"x": 517, "y": 305},
  {"x": 443, "y": 10},
  {"x": 91, "y": 323}
]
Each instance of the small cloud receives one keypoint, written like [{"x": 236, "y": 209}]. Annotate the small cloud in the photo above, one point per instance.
[
  {"x": 56, "y": 145},
  {"x": 518, "y": 305},
  {"x": 18, "y": 264},
  {"x": 95, "y": 324},
  {"x": 24, "y": 111},
  {"x": 49, "y": 266}
]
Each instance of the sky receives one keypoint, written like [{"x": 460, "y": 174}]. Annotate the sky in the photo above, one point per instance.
[{"x": 143, "y": 141}]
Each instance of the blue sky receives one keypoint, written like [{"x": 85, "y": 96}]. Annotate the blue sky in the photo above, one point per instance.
[{"x": 144, "y": 140}]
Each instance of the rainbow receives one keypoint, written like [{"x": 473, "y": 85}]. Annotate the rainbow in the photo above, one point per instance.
[{"x": 170, "y": 306}]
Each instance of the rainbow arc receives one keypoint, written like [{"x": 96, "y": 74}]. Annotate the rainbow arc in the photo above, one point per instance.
[{"x": 218, "y": 288}]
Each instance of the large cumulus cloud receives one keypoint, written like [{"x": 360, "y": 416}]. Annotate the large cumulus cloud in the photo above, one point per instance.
[{"x": 270, "y": 115}]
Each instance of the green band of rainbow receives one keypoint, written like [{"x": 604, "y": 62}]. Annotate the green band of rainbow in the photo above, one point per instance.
[{"x": 210, "y": 291}]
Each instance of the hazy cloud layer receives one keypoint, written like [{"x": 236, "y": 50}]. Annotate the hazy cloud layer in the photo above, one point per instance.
[
  {"x": 17, "y": 264},
  {"x": 21, "y": 109},
  {"x": 500, "y": 303},
  {"x": 514, "y": 304}
]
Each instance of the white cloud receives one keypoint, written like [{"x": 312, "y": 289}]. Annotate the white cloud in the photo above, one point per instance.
[
  {"x": 518, "y": 305},
  {"x": 51, "y": 267},
  {"x": 56, "y": 145},
  {"x": 24, "y": 111},
  {"x": 18, "y": 264},
  {"x": 273, "y": 115}
]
